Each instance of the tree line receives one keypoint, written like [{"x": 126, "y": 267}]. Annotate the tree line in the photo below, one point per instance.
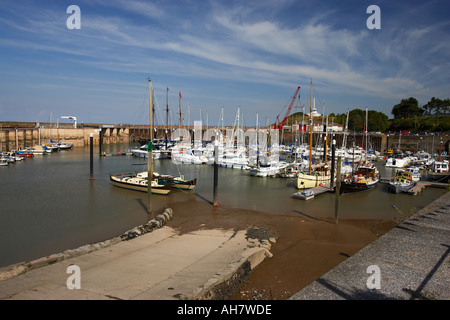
[
  {"x": 409, "y": 108},
  {"x": 407, "y": 115}
]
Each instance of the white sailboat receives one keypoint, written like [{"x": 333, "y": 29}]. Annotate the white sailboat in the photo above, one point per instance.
[
  {"x": 3, "y": 161},
  {"x": 267, "y": 165},
  {"x": 397, "y": 162}
]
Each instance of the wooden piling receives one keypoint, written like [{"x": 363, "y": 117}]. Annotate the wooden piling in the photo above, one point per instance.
[
  {"x": 338, "y": 190},
  {"x": 150, "y": 152},
  {"x": 216, "y": 172},
  {"x": 91, "y": 146},
  {"x": 333, "y": 156}
]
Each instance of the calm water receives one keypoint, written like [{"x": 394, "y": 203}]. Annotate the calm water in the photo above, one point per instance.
[{"x": 48, "y": 203}]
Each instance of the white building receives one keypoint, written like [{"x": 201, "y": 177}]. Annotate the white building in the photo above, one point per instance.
[{"x": 314, "y": 111}]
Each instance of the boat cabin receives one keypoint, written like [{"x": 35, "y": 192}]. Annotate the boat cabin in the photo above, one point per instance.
[{"x": 440, "y": 166}]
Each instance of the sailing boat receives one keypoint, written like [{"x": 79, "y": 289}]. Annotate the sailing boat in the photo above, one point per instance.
[
  {"x": 267, "y": 165},
  {"x": 139, "y": 182},
  {"x": 160, "y": 150},
  {"x": 366, "y": 175},
  {"x": 318, "y": 175},
  {"x": 159, "y": 184},
  {"x": 234, "y": 156}
]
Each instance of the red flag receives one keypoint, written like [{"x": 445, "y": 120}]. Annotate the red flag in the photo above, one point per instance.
[{"x": 180, "y": 95}]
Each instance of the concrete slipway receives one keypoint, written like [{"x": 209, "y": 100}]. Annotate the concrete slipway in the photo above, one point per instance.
[{"x": 158, "y": 265}]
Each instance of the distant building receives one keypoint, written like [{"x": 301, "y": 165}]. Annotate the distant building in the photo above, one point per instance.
[
  {"x": 336, "y": 128},
  {"x": 314, "y": 112}
]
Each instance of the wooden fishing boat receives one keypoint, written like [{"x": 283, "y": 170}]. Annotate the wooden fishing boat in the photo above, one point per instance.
[
  {"x": 133, "y": 181},
  {"x": 401, "y": 182},
  {"x": 415, "y": 172},
  {"x": 365, "y": 178},
  {"x": 438, "y": 172},
  {"x": 318, "y": 177}
]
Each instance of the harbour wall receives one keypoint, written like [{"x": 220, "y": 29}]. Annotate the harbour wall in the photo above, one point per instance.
[
  {"x": 15, "y": 135},
  {"x": 23, "y": 135}
]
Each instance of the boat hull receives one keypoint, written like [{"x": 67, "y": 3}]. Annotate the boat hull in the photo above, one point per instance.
[
  {"x": 305, "y": 181},
  {"x": 347, "y": 188},
  {"x": 400, "y": 188},
  {"x": 138, "y": 184},
  {"x": 436, "y": 177}
]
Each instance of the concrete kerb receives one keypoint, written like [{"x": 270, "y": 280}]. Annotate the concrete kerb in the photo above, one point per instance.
[
  {"x": 15, "y": 270},
  {"x": 225, "y": 282}
]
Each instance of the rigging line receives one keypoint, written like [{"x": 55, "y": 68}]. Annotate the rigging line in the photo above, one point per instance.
[
  {"x": 159, "y": 113},
  {"x": 318, "y": 97},
  {"x": 140, "y": 109}
]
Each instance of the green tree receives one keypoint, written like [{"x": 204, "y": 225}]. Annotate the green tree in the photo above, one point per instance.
[
  {"x": 407, "y": 108},
  {"x": 377, "y": 121},
  {"x": 356, "y": 119},
  {"x": 434, "y": 105},
  {"x": 446, "y": 106}
]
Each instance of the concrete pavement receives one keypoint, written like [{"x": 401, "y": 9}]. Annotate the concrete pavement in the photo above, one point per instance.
[{"x": 409, "y": 262}]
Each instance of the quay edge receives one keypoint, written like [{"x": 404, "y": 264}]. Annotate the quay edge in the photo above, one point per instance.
[{"x": 412, "y": 258}]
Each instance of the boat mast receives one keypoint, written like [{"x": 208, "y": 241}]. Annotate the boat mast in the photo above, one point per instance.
[
  {"x": 179, "y": 106},
  {"x": 364, "y": 133},
  {"x": 167, "y": 114},
  {"x": 345, "y": 131},
  {"x": 150, "y": 153},
  {"x": 310, "y": 128},
  {"x": 153, "y": 110},
  {"x": 257, "y": 145},
  {"x": 303, "y": 123},
  {"x": 367, "y": 135}
]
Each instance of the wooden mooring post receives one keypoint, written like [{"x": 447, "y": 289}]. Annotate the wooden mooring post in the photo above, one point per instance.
[
  {"x": 216, "y": 172},
  {"x": 338, "y": 190},
  {"x": 91, "y": 146}
]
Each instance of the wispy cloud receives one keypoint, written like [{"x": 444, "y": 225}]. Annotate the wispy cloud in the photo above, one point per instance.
[{"x": 234, "y": 47}]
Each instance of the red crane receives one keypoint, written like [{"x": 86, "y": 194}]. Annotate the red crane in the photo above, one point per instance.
[{"x": 279, "y": 125}]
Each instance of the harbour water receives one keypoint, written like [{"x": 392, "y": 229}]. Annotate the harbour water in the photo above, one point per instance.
[{"x": 49, "y": 203}]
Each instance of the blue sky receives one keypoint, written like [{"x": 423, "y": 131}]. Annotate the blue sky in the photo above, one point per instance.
[{"x": 219, "y": 54}]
